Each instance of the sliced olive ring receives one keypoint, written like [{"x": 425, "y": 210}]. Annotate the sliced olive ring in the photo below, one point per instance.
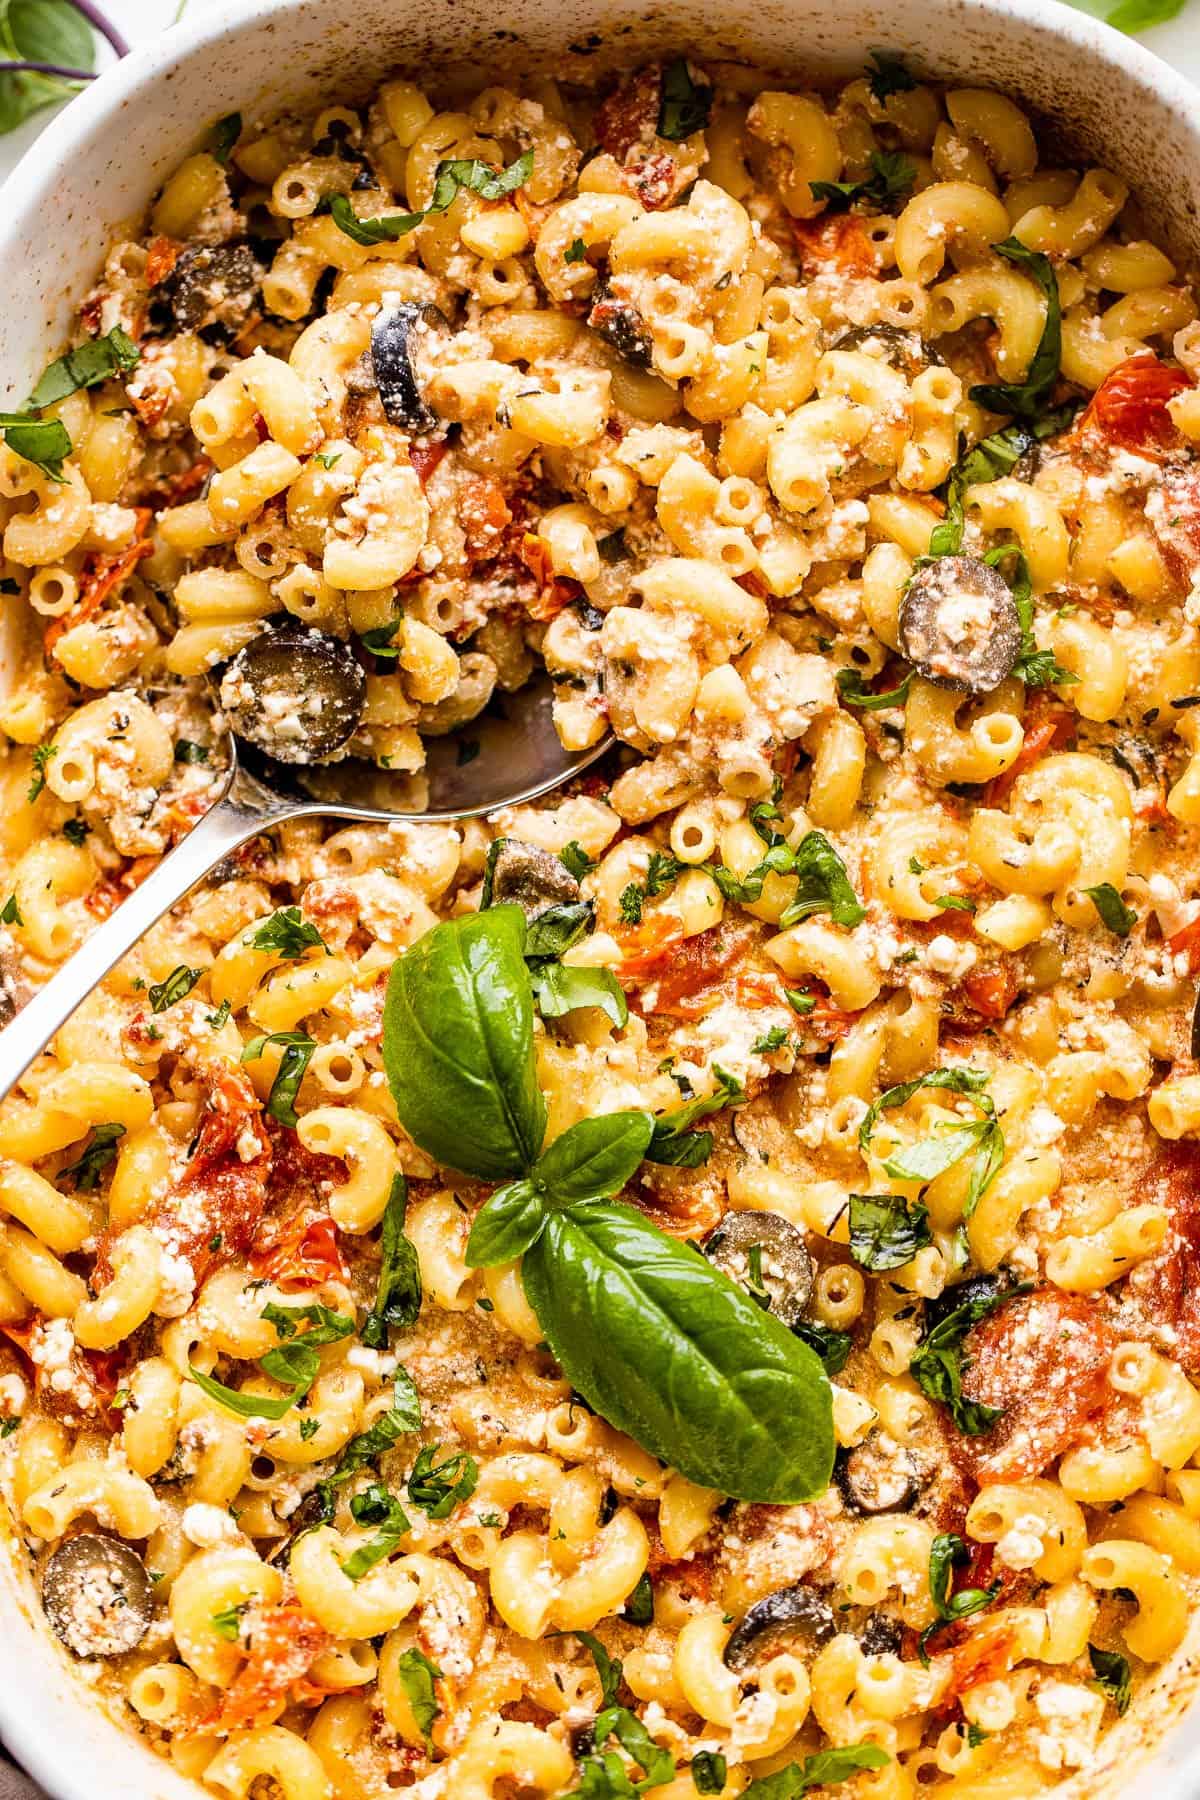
[
  {"x": 97, "y": 1595},
  {"x": 878, "y": 1476},
  {"x": 297, "y": 694},
  {"x": 396, "y": 337},
  {"x": 793, "y": 1609},
  {"x": 620, "y": 324},
  {"x": 907, "y": 351},
  {"x": 959, "y": 626},
  {"x": 784, "y": 1265}
]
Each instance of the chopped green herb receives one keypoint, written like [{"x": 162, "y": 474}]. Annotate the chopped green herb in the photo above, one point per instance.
[
  {"x": 478, "y": 177},
  {"x": 891, "y": 179},
  {"x": 298, "y": 1050},
  {"x": 97, "y": 360},
  {"x": 884, "y": 1234},
  {"x": 685, "y": 107},
  {"x": 575, "y": 251},
  {"x": 41, "y": 758},
  {"x": 75, "y": 830},
  {"x": 576, "y": 860},
  {"x": 1119, "y": 918},
  {"x": 286, "y": 933},
  {"x": 225, "y": 134},
  {"x": 1110, "y": 1673},
  {"x": 188, "y": 752},
  {"x": 228, "y": 1622},
  {"x": 101, "y": 1149},
  {"x": 43, "y": 442},
  {"x": 437, "y": 1488},
  {"x": 177, "y": 985},
  {"x": 947, "y": 1553},
  {"x": 11, "y": 915},
  {"x": 398, "y": 1294},
  {"x": 889, "y": 76}
]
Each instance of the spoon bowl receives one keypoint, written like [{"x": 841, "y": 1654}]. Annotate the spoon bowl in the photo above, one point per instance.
[{"x": 507, "y": 755}]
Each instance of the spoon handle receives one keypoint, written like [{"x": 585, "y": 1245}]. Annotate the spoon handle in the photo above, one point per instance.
[{"x": 221, "y": 830}]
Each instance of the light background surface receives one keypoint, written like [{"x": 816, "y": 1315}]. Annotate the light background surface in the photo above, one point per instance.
[{"x": 1177, "y": 42}]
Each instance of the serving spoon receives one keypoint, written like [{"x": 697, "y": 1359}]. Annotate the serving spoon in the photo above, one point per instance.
[{"x": 509, "y": 754}]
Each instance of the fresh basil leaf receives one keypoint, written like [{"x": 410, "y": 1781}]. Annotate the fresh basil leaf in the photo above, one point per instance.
[
  {"x": 594, "y": 1159},
  {"x": 225, "y": 134},
  {"x": 666, "y": 1348},
  {"x": 398, "y": 1294},
  {"x": 286, "y": 934},
  {"x": 1119, "y": 918},
  {"x": 46, "y": 31},
  {"x": 822, "y": 885},
  {"x": 101, "y": 1149},
  {"x": 658, "y": 1765},
  {"x": 458, "y": 1045},
  {"x": 823, "y": 1769},
  {"x": 685, "y": 107},
  {"x": 247, "y": 1406},
  {"x": 779, "y": 860},
  {"x": 937, "y": 1366},
  {"x": 42, "y": 442},
  {"x": 891, "y": 178},
  {"x": 375, "y": 1507},
  {"x": 558, "y": 927},
  {"x": 889, "y": 76},
  {"x": 832, "y": 1347},
  {"x": 1110, "y": 1673},
  {"x": 479, "y": 177},
  {"x": 178, "y": 984},
  {"x": 506, "y": 1226},
  {"x": 437, "y": 1488},
  {"x": 608, "y": 1668},
  {"x": 11, "y": 915},
  {"x": 385, "y": 230},
  {"x": 639, "y": 1607},
  {"x": 932, "y": 1156},
  {"x": 298, "y": 1050},
  {"x": 850, "y": 687},
  {"x": 328, "y": 1327},
  {"x": 672, "y": 1140},
  {"x": 709, "y": 1772},
  {"x": 90, "y": 363},
  {"x": 560, "y": 988},
  {"x": 1027, "y": 398},
  {"x": 417, "y": 1676},
  {"x": 884, "y": 1234}
]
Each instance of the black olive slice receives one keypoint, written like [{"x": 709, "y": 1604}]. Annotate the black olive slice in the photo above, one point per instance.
[
  {"x": 959, "y": 625},
  {"x": 761, "y": 1249},
  {"x": 878, "y": 1476},
  {"x": 620, "y": 324},
  {"x": 214, "y": 285},
  {"x": 397, "y": 337},
  {"x": 97, "y": 1595},
  {"x": 297, "y": 694},
  {"x": 793, "y": 1609},
  {"x": 530, "y": 878},
  {"x": 881, "y": 1636},
  {"x": 907, "y": 351}
]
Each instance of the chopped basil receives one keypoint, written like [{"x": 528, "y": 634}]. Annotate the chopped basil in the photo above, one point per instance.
[
  {"x": 188, "y": 752},
  {"x": 674, "y": 1142},
  {"x": 437, "y": 1488},
  {"x": 228, "y": 1622},
  {"x": 799, "y": 1001},
  {"x": 833, "y": 1347},
  {"x": 381, "y": 639},
  {"x": 823, "y": 885},
  {"x": 478, "y": 177},
  {"x": 947, "y": 1553},
  {"x": 1110, "y": 1673},
  {"x": 1027, "y": 398},
  {"x": 889, "y": 76},
  {"x": 247, "y": 1406},
  {"x": 309, "y": 1429},
  {"x": 1119, "y": 918},
  {"x": 101, "y": 1149},
  {"x": 221, "y": 1016},
  {"x": 709, "y": 1772},
  {"x": 403, "y": 1418},
  {"x": 75, "y": 830},
  {"x": 8, "y": 1426},
  {"x": 417, "y": 1676},
  {"x": 375, "y": 1506},
  {"x": 398, "y": 1294},
  {"x": 298, "y": 1050},
  {"x": 225, "y": 134},
  {"x": 294, "y": 1363},
  {"x": 937, "y": 1367},
  {"x": 685, "y": 107},
  {"x": 850, "y": 687},
  {"x": 824, "y": 1768},
  {"x": 287, "y": 933},
  {"x": 955, "y": 903},
  {"x": 770, "y": 1041},
  {"x": 1035, "y": 667},
  {"x": 639, "y": 1606},
  {"x": 575, "y": 251},
  {"x": 560, "y": 988},
  {"x": 891, "y": 178},
  {"x": 11, "y": 915},
  {"x": 178, "y": 984},
  {"x": 43, "y": 442},
  {"x": 884, "y": 1234},
  {"x": 576, "y": 860},
  {"x": 609, "y": 1668},
  {"x": 97, "y": 360}
]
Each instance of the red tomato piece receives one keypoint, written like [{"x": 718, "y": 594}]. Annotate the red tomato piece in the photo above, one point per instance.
[{"x": 1129, "y": 408}]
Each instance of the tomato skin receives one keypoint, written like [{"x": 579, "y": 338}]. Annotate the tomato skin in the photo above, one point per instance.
[
  {"x": 1051, "y": 731},
  {"x": 1187, "y": 942},
  {"x": 283, "y": 1642},
  {"x": 1174, "y": 517},
  {"x": 1166, "y": 1286},
  {"x": 425, "y": 457},
  {"x": 990, "y": 991},
  {"x": 1043, "y": 1358},
  {"x": 1128, "y": 411},
  {"x": 836, "y": 240}
]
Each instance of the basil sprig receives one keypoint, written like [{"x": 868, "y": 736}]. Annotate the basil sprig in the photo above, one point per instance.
[
  {"x": 656, "y": 1340},
  {"x": 398, "y": 1295},
  {"x": 477, "y": 177}
]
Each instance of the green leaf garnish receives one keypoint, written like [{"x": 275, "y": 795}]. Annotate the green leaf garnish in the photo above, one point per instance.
[
  {"x": 177, "y": 985},
  {"x": 685, "y": 107},
  {"x": 398, "y": 1293},
  {"x": 1119, "y": 918}
]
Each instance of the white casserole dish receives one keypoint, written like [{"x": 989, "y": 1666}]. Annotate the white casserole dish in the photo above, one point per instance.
[{"x": 95, "y": 169}]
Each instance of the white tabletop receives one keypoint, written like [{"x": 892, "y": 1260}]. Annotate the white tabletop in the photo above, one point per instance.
[{"x": 1177, "y": 42}]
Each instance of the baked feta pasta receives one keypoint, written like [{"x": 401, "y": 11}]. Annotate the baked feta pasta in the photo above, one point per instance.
[{"x": 692, "y": 1286}]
